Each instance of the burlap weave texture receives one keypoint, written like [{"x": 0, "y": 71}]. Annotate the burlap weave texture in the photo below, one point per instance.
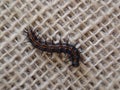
[{"x": 93, "y": 24}]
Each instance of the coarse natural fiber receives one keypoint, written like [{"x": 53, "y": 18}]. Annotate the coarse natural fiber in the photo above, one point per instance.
[{"x": 93, "y": 24}]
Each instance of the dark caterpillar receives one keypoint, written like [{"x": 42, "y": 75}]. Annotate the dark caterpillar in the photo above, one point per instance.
[{"x": 71, "y": 50}]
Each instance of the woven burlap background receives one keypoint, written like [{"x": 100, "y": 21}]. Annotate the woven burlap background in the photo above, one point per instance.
[{"x": 93, "y": 24}]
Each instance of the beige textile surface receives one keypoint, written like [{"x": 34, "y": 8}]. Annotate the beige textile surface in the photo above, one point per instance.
[{"x": 94, "y": 24}]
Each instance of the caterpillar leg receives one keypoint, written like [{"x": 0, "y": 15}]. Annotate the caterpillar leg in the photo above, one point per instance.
[{"x": 75, "y": 63}]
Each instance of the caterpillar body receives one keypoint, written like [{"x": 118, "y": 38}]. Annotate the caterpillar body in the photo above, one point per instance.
[{"x": 51, "y": 47}]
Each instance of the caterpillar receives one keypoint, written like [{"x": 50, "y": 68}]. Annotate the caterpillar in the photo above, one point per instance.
[{"x": 60, "y": 47}]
